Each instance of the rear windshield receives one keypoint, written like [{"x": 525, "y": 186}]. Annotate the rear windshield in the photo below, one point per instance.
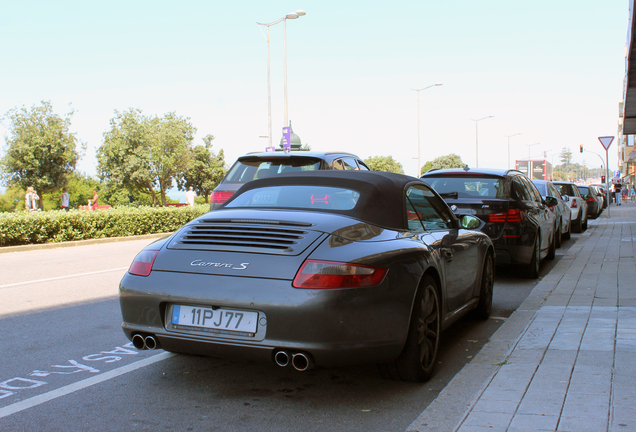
[
  {"x": 583, "y": 189},
  {"x": 468, "y": 186},
  {"x": 303, "y": 197},
  {"x": 567, "y": 189},
  {"x": 248, "y": 169}
]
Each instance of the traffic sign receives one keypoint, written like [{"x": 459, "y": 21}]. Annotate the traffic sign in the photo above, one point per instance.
[{"x": 606, "y": 141}]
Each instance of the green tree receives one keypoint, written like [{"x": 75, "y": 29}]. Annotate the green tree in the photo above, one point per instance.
[
  {"x": 12, "y": 199},
  {"x": 205, "y": 169},
  {"x": 145, "y": 153},
  {"x": 41, "y": 151},
  {"x": 449, "y": 161},
  {"x": 565, "y": 156},
  {"x": 384, "y": 163}
]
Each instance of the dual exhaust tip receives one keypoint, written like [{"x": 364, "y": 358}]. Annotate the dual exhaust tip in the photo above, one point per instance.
[
  {"x": 142, "y": 342},
  {"x": 299, "y": 360}
]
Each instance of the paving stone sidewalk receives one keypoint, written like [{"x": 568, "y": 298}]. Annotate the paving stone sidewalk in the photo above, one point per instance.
[{"x": 566, "y": 359}]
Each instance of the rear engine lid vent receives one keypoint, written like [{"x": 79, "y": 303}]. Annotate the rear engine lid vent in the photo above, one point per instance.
[{"x": 246, "y": 236}]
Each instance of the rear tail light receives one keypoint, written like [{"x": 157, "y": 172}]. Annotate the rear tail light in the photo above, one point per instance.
[
  {"x": 590, "y": 199},
  {"x": 329, "y": 274},
  {"x": 573, "y": 204},
  {"x": 142, "y": 264},
  {"x": 511, "y": 216},
  {"x": 220, "y": 197}
]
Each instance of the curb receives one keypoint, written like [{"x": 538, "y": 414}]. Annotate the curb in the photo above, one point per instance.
[{"x": 30, "y": 247}]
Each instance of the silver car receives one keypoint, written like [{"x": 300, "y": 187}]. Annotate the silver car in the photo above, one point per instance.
[
  {"x": 578, "y": 206},
  {"x": 561, "y": 210}
]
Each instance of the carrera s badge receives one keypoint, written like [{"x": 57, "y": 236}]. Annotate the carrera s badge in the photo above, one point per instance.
[{"x": 200, "y": 263}]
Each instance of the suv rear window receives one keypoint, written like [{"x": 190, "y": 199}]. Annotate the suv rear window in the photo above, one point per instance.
[
  {"x": 247, "y": 169},
  {"x": 468, "y": 186}
]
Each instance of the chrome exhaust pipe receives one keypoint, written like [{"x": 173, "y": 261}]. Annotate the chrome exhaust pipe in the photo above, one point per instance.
[
  {"x": 139, "y": 341},
  {"x": 281, "y": 358},
  {"x": 151, "y": 343},
  {"x": 302, "y": 362}
]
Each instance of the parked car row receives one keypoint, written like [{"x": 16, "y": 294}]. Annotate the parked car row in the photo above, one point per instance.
[{"x": 310, "y": 258}]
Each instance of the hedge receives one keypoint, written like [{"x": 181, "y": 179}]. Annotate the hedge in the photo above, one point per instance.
[{"x": 58, "y": 226}]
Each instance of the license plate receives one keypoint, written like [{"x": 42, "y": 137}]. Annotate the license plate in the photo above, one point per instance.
[{"x": 213, "y": 320}]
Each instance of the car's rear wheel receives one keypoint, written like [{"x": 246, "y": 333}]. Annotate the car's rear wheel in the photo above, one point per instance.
[
  {"x": 568, "y": 234},
  {"x": 584, "y": 225},
  {"x": 576, "y": 225},
  {"x": 417, "y": 361},
  {"x": 558, "y": 235},
  {"x": 485, "y": 292},
  {"x": 552, "y": 251},
  {"x": 531, "y": 270}
]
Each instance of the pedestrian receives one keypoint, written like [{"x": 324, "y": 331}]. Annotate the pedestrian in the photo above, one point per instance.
[
  {"x": 65, "y": 199},
  {"x": 36, "y": 200},
  {"x": 190, "y": 197},
  {"x": 29, "y": 199},
  {"x": 93, "y": 202},
  {"x": 632, "y": 194},
  {"x": 617, "y": 192}
]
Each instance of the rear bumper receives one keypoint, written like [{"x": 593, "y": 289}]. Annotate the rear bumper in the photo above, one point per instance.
[{"x": 336, "y": 327}]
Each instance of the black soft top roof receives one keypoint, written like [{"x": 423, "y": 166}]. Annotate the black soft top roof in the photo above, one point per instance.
[{"x": 381, "y": 200}]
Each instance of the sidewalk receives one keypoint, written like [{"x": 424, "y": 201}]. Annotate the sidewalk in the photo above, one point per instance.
[{"x": 565, "y": 360}]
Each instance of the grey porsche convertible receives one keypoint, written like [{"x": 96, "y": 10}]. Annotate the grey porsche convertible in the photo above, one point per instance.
[{"x": 314, "y": 268}]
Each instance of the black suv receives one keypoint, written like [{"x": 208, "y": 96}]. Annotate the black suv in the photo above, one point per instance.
[
  {"x": 254, "y": 166},
  {"x": 517, "y": 218}
]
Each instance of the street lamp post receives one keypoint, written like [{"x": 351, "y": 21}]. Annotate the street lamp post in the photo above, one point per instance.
[
  {"x": 292, "y": 15},
  {"x": 477, "y": 139},
  {"x": 509, "y": 136},
  {"x": 419, "y": 166},
  {"x": 530, "y": 145}
]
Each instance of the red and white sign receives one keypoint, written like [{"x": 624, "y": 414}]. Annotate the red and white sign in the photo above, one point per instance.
[{"x": 606, "y": 141}]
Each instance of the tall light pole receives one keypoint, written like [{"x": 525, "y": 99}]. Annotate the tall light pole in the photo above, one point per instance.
[
  {"x": 509, "y": 136},
  {"x": 292, "y": 15},
  {"x": 419, "y": 166},
  {"x": 530, "y": 145},
  {"x": 477, "y": 139}
]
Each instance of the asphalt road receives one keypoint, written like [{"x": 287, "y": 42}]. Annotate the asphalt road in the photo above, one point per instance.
[{"x": 66, "y": 365}]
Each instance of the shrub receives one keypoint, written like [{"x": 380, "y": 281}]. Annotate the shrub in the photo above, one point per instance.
[{"x": 59, "y": 226}]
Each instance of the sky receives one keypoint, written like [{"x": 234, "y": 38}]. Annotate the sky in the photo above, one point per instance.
[{"x": 551, "y": 71}]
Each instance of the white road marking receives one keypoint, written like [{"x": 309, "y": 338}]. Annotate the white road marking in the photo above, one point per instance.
[
  {"x": 62, "y": 277},
  {"x": 80, "y": 385}
]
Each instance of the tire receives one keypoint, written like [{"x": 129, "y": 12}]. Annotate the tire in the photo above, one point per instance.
[
  {"x": 552, "y": 251},
  {"x": 531, "y": 270},
  {"x": 584, "y": 226},
  {"x": 576, "y": 225},
  {"x": 568, "y": 234},
  {"x": 417, "y": 361},
  {"x": 484, "y": 307},
  {"x": 558, "y": 235}
]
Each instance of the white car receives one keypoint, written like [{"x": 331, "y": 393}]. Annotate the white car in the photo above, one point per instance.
[{"x": 578, "y": 206}]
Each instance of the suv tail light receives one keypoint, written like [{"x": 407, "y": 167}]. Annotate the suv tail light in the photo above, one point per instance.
[
  {"x": 511, "y": 216},
  {"x": 573, "y": 203},
  {"x": 590, "y": 199},
  {"x": 142, "y": 264},
  {"x": 220, "y": 197},
  {"x": 329, "y": 274}
]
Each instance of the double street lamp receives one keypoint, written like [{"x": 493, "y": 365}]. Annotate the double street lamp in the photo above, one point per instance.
[
  {"x": 292, "y": 15},
  {"x": 477, "y": 139},
  {"x": 419, "y": 166}
]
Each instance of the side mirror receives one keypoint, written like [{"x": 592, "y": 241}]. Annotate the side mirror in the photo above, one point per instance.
[
  {"x": 551, "y": 201},
  {"x": 565, "y": 198},
  {"x": 470, "y": 222}
]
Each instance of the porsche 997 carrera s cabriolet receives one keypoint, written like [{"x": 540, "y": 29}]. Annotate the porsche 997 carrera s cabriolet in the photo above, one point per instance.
[{"x": 314, "y": 268}]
